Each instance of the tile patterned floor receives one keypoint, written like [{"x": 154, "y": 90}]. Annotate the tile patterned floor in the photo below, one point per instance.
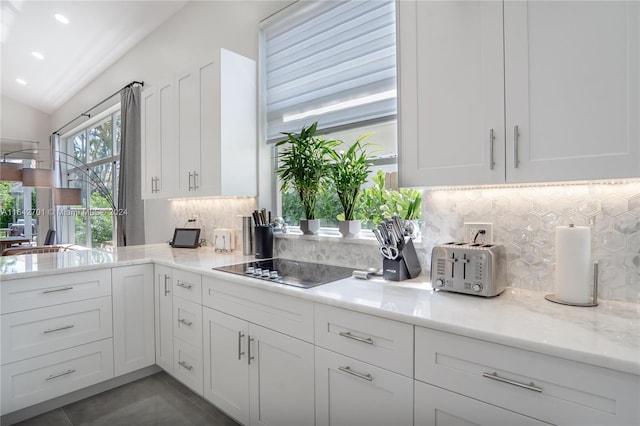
[{"x": 155, "y": 400}]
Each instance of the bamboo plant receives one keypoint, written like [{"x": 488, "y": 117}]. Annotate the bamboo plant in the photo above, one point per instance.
[{"x": 304, "y": 165}]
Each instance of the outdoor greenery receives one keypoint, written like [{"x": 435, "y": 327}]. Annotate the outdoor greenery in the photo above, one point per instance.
[
  {"x": 373, "y": 204},
  {"x": 304, "y": 166},
  {"x": 7, "y": 204}
]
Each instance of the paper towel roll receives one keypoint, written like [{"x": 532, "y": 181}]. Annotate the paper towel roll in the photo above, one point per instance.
[{"x": 573, "y": 264}]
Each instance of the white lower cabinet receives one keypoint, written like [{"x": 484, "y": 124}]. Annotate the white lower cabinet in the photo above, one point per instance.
[
  {"x": 351, "y": 392},
  {"x": 133, "y": 318},
  {"x": 164, "y": 317},
  {"x": 438, "y": 407},
  {"x": 256, "y": 375},
  {"x": 38, "y": 379},
  {"x": 544, "y": 387},
  {"x": 187, "y": 343}
]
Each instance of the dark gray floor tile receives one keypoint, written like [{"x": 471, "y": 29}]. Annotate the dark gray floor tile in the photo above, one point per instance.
[
  {"x": 218, "y": 416},
  {"x": 171, "y": 381},
  {"x": 50, "y": 418}
]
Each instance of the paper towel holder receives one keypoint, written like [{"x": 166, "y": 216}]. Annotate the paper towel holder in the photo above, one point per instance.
[{"x": 594, "y": 297}]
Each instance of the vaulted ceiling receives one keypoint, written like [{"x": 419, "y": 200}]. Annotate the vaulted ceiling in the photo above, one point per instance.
[{"x": 97, "y": 35}]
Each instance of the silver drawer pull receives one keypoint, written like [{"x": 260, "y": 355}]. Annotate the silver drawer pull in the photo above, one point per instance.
[
  {"x": 240, "y": 353},
  {"x": 185, "y": 322},
  {"x": 516, "y": 147},
  {"x": 65, "y": 327},
  {"x": 57, "y": 289},
  {"x": 492, "y": 138},
  {"x": 348, "y": 370},
  {"x": 185, "y": 365},
  {"x": 53, "y": 376},
  {"x": 494, "y": 376},
  {"x": 367, "y": 340},
  {"x": 183, "y": 285}
]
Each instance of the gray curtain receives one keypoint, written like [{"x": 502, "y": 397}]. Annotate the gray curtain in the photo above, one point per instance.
[{"x": 130, "y": 217}]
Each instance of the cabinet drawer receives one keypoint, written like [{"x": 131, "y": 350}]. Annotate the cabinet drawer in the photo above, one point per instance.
[
  {"x": 279, "y": 312},
  {"x": 378, "y": 341},
  {"x": 187, "y": 321},
  {"x": 188, "y": 365},
  {"x": 187, "y": 285},
  {"x": 350, "y": 392},
  {"x": 36, "y": 292},
  {"x": 544, "y": 387},
  {"x": 38, "y": 379},
  {"x": 39, "y": 331},
  {"x": 438, "y": 407}
]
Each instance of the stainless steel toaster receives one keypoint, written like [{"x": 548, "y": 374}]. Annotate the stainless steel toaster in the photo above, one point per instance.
[{"x": 478, "y": 269}]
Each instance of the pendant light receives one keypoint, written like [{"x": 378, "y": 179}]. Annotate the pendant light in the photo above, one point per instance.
[
  {"x": 67, "y": 196},
  {"x": 38, "y": 178},
  {"x": 10, "y": 172}
]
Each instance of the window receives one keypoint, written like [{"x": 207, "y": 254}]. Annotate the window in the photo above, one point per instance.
[
  {"x": 334, "y": 62},
  {"x": 91, "y": 161},
  {"x": 329, "y": 61},
  {"x": 18, "y": 213}
]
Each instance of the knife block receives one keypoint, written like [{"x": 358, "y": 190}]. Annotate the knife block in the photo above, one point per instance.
[
  {"x": 263, "y": 241},
  {"x": 405, "y": 267}
]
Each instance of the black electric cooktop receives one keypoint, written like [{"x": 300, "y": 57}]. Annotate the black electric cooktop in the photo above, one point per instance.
[{"x": 289, "y": 272}]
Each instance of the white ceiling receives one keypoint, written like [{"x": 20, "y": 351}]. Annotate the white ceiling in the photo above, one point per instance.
[{"x": 98, "y": 34}]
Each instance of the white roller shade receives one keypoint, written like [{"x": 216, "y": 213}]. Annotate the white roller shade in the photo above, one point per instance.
[{"x": 329, "y": 61}]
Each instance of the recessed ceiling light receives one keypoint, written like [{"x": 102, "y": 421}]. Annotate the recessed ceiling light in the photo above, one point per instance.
[
  {"x": 61, "y": 18},
  {"x": 21, "y": 81},
  {"x": 38, "y": 55}
]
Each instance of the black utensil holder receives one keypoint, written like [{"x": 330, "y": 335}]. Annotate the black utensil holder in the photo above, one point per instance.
[
  {"x": 405, "y": 267},
  {"x": 263, "y": 242}
]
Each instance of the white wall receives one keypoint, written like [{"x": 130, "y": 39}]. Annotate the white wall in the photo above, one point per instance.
[
  {"x": 22, "y": 122},
  {"x": 196, "y": 31}
]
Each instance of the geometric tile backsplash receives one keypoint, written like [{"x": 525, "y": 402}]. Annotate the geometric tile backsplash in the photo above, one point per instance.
[{"x": 525, "y": 218}]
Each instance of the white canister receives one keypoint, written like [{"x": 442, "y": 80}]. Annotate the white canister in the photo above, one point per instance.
[{"x": 573, "y": 264}]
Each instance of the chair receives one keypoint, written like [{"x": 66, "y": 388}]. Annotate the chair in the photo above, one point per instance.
[
  {"x": 50, "y": 239},
  {"x": 14, "y": 251}
]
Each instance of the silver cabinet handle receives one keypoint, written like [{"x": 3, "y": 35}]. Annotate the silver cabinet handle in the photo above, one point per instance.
[
  {"x": 249, "y": 357},
  {"x": 185, "y": 322},
  {"x": 185, "y": 365},
  {"x": 348, "y": 370},
  {"x": 494, "y": 376},
  {"x": 492, "y": 138},
  {"x": 183, "y": 285},
  {"x": 240, "y": 336},
  {"x": 347, "y": 334},
  {"x": 190, "y": 187},
  {"x": 57, "y": 289},
  {"x": 195, "y": 180},
  {"x": 516, "y": 136},
  {"x": 53, "y": 376},
  {"x": 51, "y": 330},
  {"x": 166, "y": 288}
]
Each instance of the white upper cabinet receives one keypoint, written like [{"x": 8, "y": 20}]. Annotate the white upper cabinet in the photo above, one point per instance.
[
  {"x": 573, "y": 89},
  {"x": 451, "y": 93},
  {"x": 159, "y": 150},
  {"x": 562, "y": 75},
  {"x": 206, "y": 131}
]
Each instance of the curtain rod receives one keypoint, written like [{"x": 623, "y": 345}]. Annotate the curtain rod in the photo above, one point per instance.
[{"x": 86, "y": 113}]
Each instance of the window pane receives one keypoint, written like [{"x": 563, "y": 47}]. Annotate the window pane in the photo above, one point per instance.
[
  {"x": 99, "y": 141},
  {"x": 117, "y": 133},
  {"x": 77, "y": 150},
  {"x": 101, "y": 210}
]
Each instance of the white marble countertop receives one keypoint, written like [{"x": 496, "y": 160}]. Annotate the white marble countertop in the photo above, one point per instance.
[{"x": 607, "y": 335}]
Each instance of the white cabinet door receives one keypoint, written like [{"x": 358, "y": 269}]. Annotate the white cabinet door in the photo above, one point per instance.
[
  {"x": 164, "y": 318},
  {"x": 167, "y": 185},
  {"x": 281, "y": 379},
  {"x": 438, "y": 407},
  {"x": 226, "y": 364},
  {"x": 151, "y": 153},
  {"x": 133, "y": 318},
  {"x": 572, "y": 88},
  {"x": 451, "y": 92},
  {"x": 350, "y": 392},
  {"x": 187, "y": 121}
]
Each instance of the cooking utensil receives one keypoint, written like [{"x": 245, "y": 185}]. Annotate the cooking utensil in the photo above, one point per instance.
[{"x": 378, "y": 235}]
